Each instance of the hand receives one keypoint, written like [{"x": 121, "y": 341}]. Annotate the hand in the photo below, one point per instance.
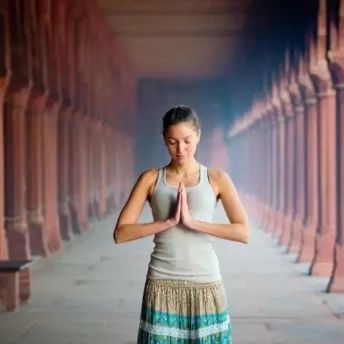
[
  {"x": 177, "y": 213},
  {"x": 185, "y": 217}
]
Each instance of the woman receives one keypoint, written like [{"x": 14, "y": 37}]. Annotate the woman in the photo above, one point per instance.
[{"x": 184, "y": 299}]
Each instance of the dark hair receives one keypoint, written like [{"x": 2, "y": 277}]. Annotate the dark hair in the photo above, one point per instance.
[{"x": 180, "y": 114}]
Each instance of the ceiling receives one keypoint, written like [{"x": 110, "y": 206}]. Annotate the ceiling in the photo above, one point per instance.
[{"x": 184, "y": 38}]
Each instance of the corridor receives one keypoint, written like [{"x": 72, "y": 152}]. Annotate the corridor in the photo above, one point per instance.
[
  {"x": 91, "y": 293},
  {"x": 83, "y": 88}
]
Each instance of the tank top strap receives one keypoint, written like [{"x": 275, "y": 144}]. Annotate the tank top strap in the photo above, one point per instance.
[
  {"x": 160, "y": 176},
  {"x": 203, "y": 175},
  {"x": 158, "y": 181}
]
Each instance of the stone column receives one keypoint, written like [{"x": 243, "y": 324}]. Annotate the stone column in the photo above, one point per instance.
[
  {"x": 16, "y": 102},
  {"x": 5, "y": 72},
  {"x": 65, "y": 42},
  {"x": 290, "y": 167},
  {"x": 277, "y": 143},
  {"x": 102, "y": 185},
  {"x": 336, "y": 58},
  {"x": 273, "y": 223},
  {"x": 63, "y": 173},
  {"x": 307, "y": 249},
  {"x": 268, "y": 174},
  {"x": 325, "y": 240},
  {"x": 299, "y": 215},
  {"x": 38, "y": 222}
]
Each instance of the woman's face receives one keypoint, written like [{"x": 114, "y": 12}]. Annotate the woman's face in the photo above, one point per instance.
[{"x": 181, "y": 141}]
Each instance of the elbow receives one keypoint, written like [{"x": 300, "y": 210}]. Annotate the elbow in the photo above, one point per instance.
[
  {"x": 117, "y": 237},
  {"x": 246, "y": 236}
]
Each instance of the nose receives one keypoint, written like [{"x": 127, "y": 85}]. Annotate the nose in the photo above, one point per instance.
[{"x": 180, "y": 147}]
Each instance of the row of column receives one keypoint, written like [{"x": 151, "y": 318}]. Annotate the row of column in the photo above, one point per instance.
[
  {"x": 67, "y": 111},
  {"x": 289, "y": 154}
]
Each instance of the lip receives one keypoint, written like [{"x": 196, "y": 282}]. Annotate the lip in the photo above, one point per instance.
[{"x": 180, "y": 156}]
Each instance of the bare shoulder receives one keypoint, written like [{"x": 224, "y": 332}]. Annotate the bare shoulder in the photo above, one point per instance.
[
  {"x": 149, "y": 175},
  {"x": 220, "y": 180},
  {"x": 217, "y": 174},
  {"x": 148, "y": 178}
]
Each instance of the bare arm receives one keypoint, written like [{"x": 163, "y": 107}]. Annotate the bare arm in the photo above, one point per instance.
[
  {"x": 238, "y": 229},
  {"x": 127, "y": 228}
]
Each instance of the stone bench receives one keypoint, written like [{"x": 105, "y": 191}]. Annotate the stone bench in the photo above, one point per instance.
[{"x": 14, "y": 292}]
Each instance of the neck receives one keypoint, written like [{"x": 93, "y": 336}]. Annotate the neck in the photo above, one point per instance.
[{"x": 190, "y": 166}]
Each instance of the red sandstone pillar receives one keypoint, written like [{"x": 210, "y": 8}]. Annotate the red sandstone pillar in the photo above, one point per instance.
[
  {"x": 278, "y": 164},
  {"x": 64, "y": 118},
  {"x": 299, "y": 214},
  {"x": 268, "y": 177},
  {"x": 266, "y": 173},
  {"x": 290, "y": 169},
  {"x": 102, "y": 160},
  {"x": 307, "y": 249},
  {"x": 260, "y": 163},
  {"x": 323, "y": 261},
  {"x": 336, "y": 65},
  {"x": 50, "y": 22},
  {"x": 325, "y": 239},
  {"x": 92, "y": 162},
  {"x": 265, "y": 162},
  {"x": 5, "y": 72},
  {"x": 337, "y": 280},
  {"x": 272, "y": 224},
  {"x": 15, "y": 128},
  {"x": 74, "y": 164},
  {"x": 34, "y": 141},
  {"x": 114, "y": 148},
  {"x": 50, "y": 165},
  {"x": 82, "y": 195},
  {"x": 63, "y": 173},
  {"x": 77, "y": 168},
  {"x": 37, "y": 228}
]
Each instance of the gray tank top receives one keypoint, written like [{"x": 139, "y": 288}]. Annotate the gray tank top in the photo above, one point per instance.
[{"x": 180, "y": 253}]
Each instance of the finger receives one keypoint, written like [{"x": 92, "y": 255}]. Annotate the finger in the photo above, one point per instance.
[
  {"x": 184, "y": 196},
  {"x": 179, "y": 196}
]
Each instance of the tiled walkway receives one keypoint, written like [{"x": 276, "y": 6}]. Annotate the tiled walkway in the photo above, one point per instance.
[{"x": 91, "y": 293}]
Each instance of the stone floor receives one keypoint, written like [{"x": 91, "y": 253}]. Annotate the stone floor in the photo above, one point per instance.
[{"x": 91, "y": 293}]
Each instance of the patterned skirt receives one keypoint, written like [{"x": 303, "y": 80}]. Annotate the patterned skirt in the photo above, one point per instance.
[{"x": 179, "y": 312}]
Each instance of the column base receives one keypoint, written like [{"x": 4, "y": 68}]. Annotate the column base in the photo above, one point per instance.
[
  {"x": 25, "y": 294},
  {"x": 307, "y": 249},
  {"x": 112, "y": 205},
  {"x": 55, "y": 242},
  {"x": 273, "y": 224},
  {"x": 336, "y": 284},
  {"x": 18, "y": 241},
  {"x": 297, "y": 228},
  {"x": 262, "y": 219},
  {"x": 3, "y": 244},
  {"x": 92, "y": 210},
  {"x": 38, "y": 240},
  {"x": 285, "y": 237},
  {"x": 269, "y": 218},
  {"x": 100, "y": 206},
  {"x": 85, "y": 226},
  {"x": 76, "y": 225},
  {"x": 66, "y": 226},
  {"x": 123, "y": 197},
  {"x": 19, "y": 248},
  {"x": 323, "y": 263}
]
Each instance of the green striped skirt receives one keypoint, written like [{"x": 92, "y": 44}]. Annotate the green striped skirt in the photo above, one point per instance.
[{"x": 179, "y": 312}]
